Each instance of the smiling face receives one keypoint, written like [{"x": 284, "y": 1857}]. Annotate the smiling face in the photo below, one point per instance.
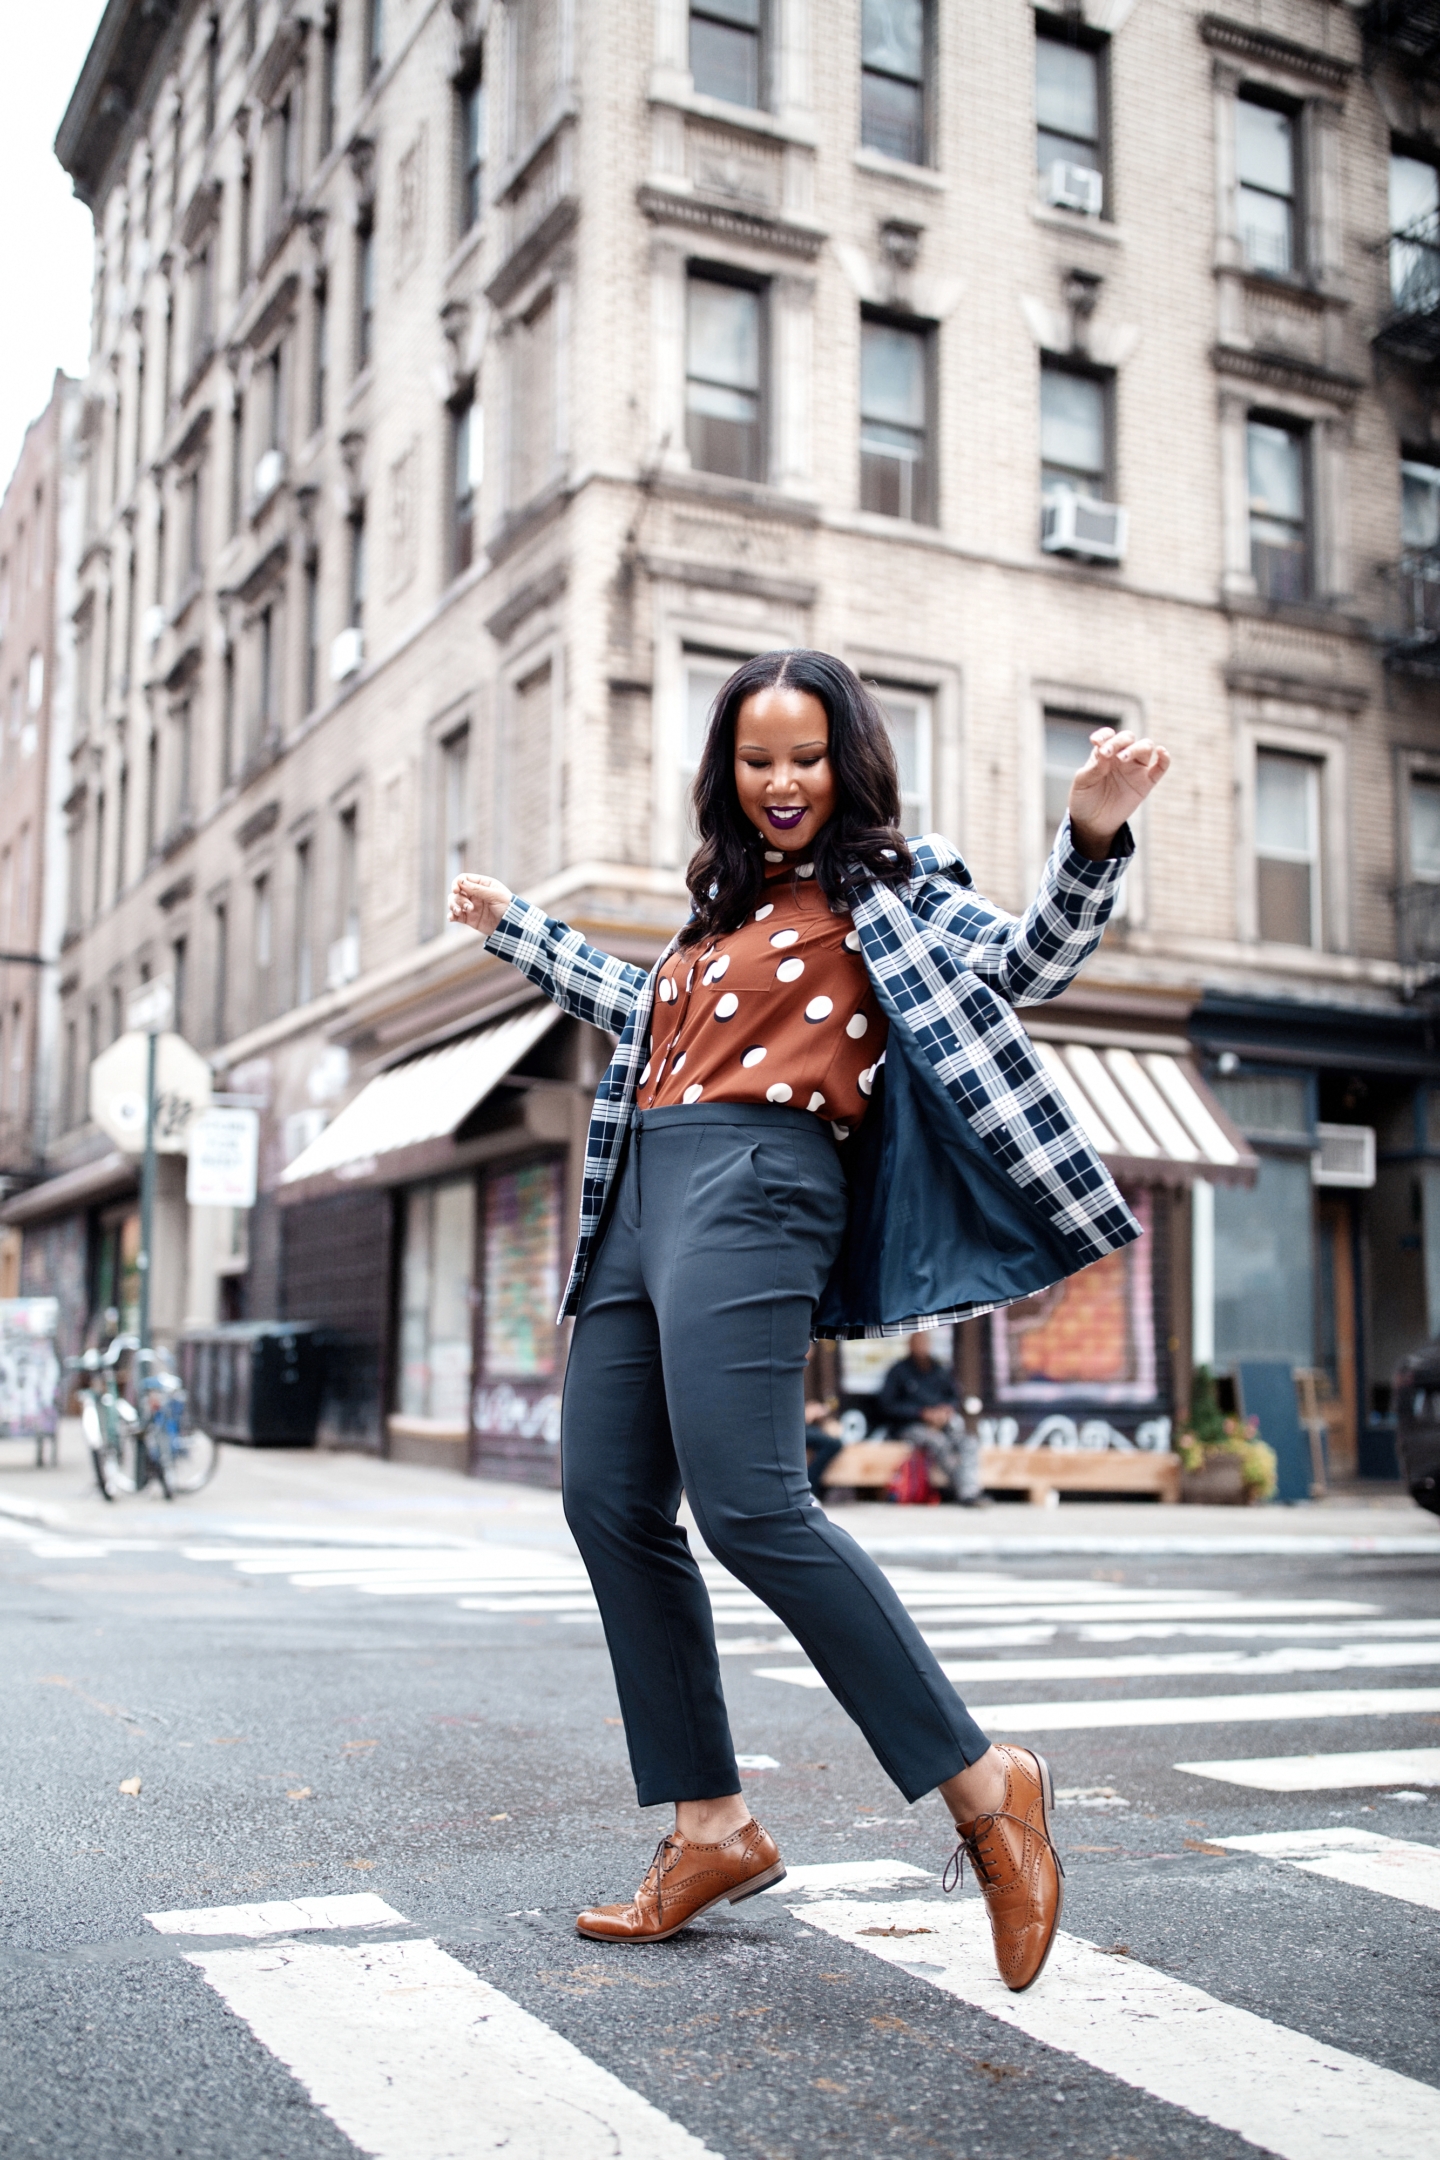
[{"x": 783, "y": 774}]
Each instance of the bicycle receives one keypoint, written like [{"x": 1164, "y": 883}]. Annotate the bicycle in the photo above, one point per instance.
[{"x": 128, "y": 1445}]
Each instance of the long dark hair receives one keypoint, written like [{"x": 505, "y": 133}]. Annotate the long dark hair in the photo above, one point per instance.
[{"x": 860, "y": 843}]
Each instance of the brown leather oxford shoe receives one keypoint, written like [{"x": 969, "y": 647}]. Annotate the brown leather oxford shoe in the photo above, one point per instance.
[
  {"x": 1017, "y": 1867},
  {"x": 685, "y": 1880}
]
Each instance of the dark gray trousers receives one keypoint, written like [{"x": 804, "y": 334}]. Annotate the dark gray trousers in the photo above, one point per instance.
[{"x": 686, "y": 1372}]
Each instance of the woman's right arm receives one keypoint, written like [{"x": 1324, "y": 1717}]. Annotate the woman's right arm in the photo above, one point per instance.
[{"x": 588, "y": 984}]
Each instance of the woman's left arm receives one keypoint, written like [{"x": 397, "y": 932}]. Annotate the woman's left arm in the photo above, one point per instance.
[{"x": 1034, "y": 956}]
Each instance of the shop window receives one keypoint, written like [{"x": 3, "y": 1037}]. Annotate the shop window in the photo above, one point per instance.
[
  {"x": 909, "y": 715},
  {"x": 1089, "y": 1339},
  {"x": 1264, "y": 1271},
  {"x": 1287, "y": 847},
  {"x": 726, "y": 50},
  {"x": 521, "y": 1287},
  {"x": 1265, "y": 166},
  {"x": 1279, "y": 479},
  {"x": 892, "y": 78},
  {"x": 723, "y": 406},
  {"x": 1069, "y": 118},
  {"x": 437, "y": 1270},
  {"x": 1266, "y": 1105},
  {"x": 117, "y": 1272},
  {"x": 895, "y": 450},
  {"x": 1425, "y": 828}
]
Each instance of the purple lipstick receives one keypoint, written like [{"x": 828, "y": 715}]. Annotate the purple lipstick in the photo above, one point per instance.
[{"x": 785, "y": 820}]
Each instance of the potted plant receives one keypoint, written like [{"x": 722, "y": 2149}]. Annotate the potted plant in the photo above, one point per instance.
[{"x": 1225, "y": 1462}]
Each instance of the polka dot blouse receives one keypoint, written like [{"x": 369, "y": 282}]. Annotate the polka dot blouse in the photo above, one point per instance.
[{"x": 780, "y": 1011}]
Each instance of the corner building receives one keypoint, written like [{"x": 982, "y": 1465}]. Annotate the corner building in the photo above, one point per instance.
[{"x": 472, "y": 386}]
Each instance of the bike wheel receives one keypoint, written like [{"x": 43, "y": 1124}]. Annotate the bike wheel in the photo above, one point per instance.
[
  {"x": 190, "y": 1460},
  {"x": 116, "y": 1480}
]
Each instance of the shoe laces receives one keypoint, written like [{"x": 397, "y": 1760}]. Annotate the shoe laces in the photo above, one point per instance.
[
  {"x": 658, "y": 1869},
  {"x": 970, "y": 1846}
]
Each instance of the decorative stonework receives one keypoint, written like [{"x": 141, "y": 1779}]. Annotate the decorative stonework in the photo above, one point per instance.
[
  {"x": 1263, "y": 49},
  {"x": 778, "y": 234},
  {"x": 1278, "y": 371}
]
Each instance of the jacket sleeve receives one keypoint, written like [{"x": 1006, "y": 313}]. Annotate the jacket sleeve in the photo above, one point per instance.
[
  {"x": 896, "y": 1399},
  {"x": 588, "y": 984},
  {"x": 1033, "y": 956}
]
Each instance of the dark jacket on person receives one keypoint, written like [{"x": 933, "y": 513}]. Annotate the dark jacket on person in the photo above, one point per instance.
[{"x": 909, "y": 1388}]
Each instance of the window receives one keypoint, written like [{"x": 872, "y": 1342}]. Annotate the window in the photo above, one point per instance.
[
  {"x": 470, "y": 118},
  {"x": 725, "y": 50},
  {"x": 532, "y": 402},
  {"x": 892, "y": 78},
  {"x": 1069, "y": 93},
  {"x": 437, "y": 1272},
  {"x": 179, "y": 978},
  {"x": 272, "y": 391},
  {"x": 329, "y": 53},
  {"x": 1287, "y": 847},
  {"x": 455, "y": 803},
  {"x": 521, "y": 1244},
  {"x": 122, "y": 820},
  {"x": 247, "y": 211},
  {"x": 227, "y": 716},
  {"x": 374, "y": 38},
  {"x": 68, "y": 1076},
  {"x": 1265, "y": 170},
  {"x": 355, "y": 597},
  {"x": 222, "y": 971},
  {"x": 191, "y": 499},
  {"x": 895, "y": 459},
  {"x": 212, "y": 74},
  {"x": 181, "y": 738},
  {"x": 365, "y": 294},
  {"x": 252, "y": 27},
  {"x": 722, "y": 388},
  {"x": 97, "y": 883},
  {"x": 1415, "y": 234},
  {"x": 908, "y": 713},
  {"x": 705, "y": 676},
  {"x": 261, "y": 944},
  {"x": 237, "y": 463},
  {"x": 319, "y": 354},
  {"x": 467, "y": 451},
  {"x": 312, "y": 631},
  {"x": 1067, "y": 745},
  {"x": 1279, "y": 511},
  {"x": 1425, "y": 828},
  {"x": 304, "y": 923},
  {"x": 264, "y": 675},
  {"x": 202, "y": 283},
  {"x": 1419, "y": 505},
  {"x": 152, "y": 790},
  {"x": 347, "y": 895},
  {"x": 1074, "y": 432}
]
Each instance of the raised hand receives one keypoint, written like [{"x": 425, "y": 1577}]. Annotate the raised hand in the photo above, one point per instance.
[
  {"x": 1110, "y": 786},
  {"x": 478, "y": 903}
]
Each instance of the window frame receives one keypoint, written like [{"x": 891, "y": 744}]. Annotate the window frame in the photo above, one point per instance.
[
  {"x": 1066, "y": 30},
  {"x": 462, "y": 499},
  {"x": 1303, "y": 432},
  {"x": 365, "y": 292},
  {"x": 470, "y": 90},
  {"x": 1293, "y": 110},
  {"x": 698, "y": 272},
  {"x": 925, "y": 511},
  {"x": 710, "y": 11},
  {"x": 925, "y": 83},
  {"x": 1106, "y": 381},
  {"x": 923, "y": 697},
  {"x": 1315, "y": 767}
]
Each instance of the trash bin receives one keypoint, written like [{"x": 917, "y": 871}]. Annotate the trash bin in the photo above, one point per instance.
[
  {"x": 256, "y": 1382},
  {"x": 1417, "y": 1424}
]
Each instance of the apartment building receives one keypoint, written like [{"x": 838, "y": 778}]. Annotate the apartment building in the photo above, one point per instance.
[{"x": 472, "y": 385}]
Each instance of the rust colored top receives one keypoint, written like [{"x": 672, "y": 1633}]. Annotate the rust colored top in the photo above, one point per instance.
[{"x": 781, "y": 1010}]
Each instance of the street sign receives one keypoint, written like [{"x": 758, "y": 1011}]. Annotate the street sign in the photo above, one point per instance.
[
  {"x": 152, "y": 1008},
  {"x": 224, "y": 1151},
  {"x": 117, "y": 1092}
]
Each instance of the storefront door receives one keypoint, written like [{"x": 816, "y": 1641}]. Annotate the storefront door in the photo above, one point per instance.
[{"x": 1336, "y": 1346}]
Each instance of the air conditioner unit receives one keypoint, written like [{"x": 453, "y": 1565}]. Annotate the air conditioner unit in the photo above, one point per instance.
[
  {"x": 342, "y": 960},
  {"x": 152, "y": 622},
  {"x": 347, "y": 653},
  {"x": 1075, "y": 187},
  {"x": 269, "y": 472},
  {"x": 1078, "y": 525},
  {"x": 1345, "y": 1156}
]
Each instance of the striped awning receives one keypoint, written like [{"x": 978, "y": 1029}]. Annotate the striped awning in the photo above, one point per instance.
[{"x": 1147, "y": 1112}]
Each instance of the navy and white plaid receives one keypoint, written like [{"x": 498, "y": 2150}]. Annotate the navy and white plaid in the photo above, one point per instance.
[{"x": 947, "y": 965}]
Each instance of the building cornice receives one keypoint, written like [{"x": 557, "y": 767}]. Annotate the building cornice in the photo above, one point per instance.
[
  {"x": 110, "y": 88},
  {"x": 1282, "y": 371},
  {"x": 757, "y": 228},
  {"x": 1262, "y": 48}
]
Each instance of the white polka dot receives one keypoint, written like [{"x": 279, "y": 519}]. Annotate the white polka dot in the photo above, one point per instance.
[
  {"x": 755, "y": 1055},
  {"x": 816, "y": 1102},
  {"x": 716, "y": 969},
  {"x": 856, "y": 1025},
  {"x": 819, "y": 1008},
  {"x": 774, "y": 854},
  {"x": 789, "y": 971},
  {"x": 678, "y": 1062},
  {"x": 778, "y": 1093},
  {"x": 689, "y": 982},
  {"x": 866, "y": 1080},
  {"x": 841, "y": 1132},
  {"x": 727, "y": 1007},
  {"x": 761, "y": 913},
  {"x": 778, "y": 938},
  {"x": 806, "y": 869},
  {"x": 693, "y": 1092},
  {"x": 852, "y": 941},
  {"x": 667, "y": 991},
  {"x": 646, "y": 1074}
]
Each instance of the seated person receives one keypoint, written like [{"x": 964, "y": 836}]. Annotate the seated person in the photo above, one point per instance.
[
  {"x": 917, "y": 1402},
  {"x": 823, "y": 1440}
]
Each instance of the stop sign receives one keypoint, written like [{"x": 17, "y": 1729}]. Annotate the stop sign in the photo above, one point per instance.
[{"x": 117, "y": 1092}]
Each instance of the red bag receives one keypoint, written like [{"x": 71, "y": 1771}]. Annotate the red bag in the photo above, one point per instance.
[{"x": 910, "y": 1486}]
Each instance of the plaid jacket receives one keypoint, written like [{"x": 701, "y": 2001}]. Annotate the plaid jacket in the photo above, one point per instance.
[{"x": 948, "y": 967}]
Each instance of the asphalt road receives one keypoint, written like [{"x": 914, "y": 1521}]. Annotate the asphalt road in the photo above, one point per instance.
[{"x": 417, "y": 1728}]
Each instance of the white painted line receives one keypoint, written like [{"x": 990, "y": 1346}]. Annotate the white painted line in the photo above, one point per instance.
[
  {"x": 526, "y": 1604},
  {"x": 848, "y": 1875},
  {"x": 757, "y": 1646},
  {"x": 1254, "y": 1630},
  {"x": 414, "y": 2057},
  {"x": 1211, "y": 1709},
  {"x": 995, "y": 1638},
  {"x": 1366, "y": 1767},
  {"x": 1184, "y": 1664},
  {"x": 1396, "y": 1867},
  {"x": 1277, "y": 2088},
  {"x": 280, "y": 1916}
]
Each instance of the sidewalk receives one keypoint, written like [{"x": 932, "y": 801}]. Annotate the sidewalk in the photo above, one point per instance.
[{"x": 300, "y": 1496}]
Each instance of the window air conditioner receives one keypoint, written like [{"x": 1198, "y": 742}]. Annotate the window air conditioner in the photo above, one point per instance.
[
  {"x": 347, "y": 652},
  {"x": 269, "y": 472},
  {"x": 1345, "y": 1156},
  {"x": 1077, "y": 525},
  {"x": 1074, "y": 187},
  {"x": 342, "y": 960},
  {"x": 152, "y": 622}
]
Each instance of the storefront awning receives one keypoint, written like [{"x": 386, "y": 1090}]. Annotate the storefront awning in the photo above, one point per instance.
[
  {"x": 425, "y": 1099},
  {"x": 107, "y": 1179},
  {"x": 1148, "y": 1112}
]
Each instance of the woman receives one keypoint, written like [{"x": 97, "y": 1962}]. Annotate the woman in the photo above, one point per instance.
[{"x": 822, "y": 1115}]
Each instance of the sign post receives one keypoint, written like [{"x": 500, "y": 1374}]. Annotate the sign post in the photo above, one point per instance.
[{"x": 150, "y": 1014}]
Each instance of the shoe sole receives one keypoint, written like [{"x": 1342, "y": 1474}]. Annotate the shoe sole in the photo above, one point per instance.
[
  {"x": 1047, "y": 1802},
  {"x": 765, "y": 1880}
]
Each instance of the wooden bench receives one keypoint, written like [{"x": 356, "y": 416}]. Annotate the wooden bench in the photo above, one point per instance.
[{"x": 869, "y": 1466}]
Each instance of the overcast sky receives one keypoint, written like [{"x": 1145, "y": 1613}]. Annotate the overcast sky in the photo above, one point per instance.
[{"x": 44, "y": 232}]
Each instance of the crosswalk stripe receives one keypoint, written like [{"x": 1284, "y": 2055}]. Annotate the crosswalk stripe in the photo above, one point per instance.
[
  {"x": 847, "y": 1875},
  {"x": 1396, "y": 1867},
  {"x": 1183, "y": 1664},
  {"x": 1350, "y": 1771},
  {"x": 1277, "y": 2088},
  {"x": 280, "y": 1916},
  {"x": 1258, "y": 1709},
  {"x": 415, "y": 2057}
]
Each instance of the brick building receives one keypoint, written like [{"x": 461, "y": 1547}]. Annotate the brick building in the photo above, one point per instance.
[{"x": 472, "y": 385}]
